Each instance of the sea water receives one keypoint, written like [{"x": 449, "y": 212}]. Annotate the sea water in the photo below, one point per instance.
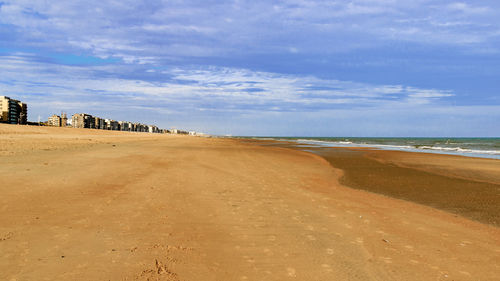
[{"x": 472, "y": 147}]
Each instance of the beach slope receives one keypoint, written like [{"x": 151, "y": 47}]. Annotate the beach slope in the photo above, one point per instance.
[{"x": 82, "y": 204}]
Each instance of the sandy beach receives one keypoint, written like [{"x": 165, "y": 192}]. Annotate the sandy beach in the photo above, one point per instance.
[
  {"x": 80, "y": 204},
  {"x": 465, "y": 186}
]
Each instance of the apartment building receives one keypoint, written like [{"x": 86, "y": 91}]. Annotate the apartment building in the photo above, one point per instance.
[
  {"x": 58, "y": 121},
  {"x": 13, "y": 111},
  {"x": 112, "y": 125},
  {"x": 99, "y": 123},
  {"x": 82, "y": 120},
  {"x": 64, "y": 119},
  {"x": 54, "y": 120}
]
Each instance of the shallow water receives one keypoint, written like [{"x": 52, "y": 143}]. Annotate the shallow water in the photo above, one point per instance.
[{"x": 472, "y": 147}]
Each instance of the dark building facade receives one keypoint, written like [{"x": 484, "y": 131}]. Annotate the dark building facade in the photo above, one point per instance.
[{"x": 13, "y": 111}]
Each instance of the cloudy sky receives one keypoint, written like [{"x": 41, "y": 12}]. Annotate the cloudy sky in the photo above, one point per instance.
[{"x": 295, "y": 67}]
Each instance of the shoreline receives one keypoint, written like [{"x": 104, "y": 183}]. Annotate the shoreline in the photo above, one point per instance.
[
  {"x": 325, "y": 142},
  {"x": 461, "y": 185}
]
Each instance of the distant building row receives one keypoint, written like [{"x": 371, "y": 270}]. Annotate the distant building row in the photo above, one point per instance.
[
  {"x": 82, "y": 120},
  {"x": 13, "y": 111},
  {"x": 16, "y": 112}
]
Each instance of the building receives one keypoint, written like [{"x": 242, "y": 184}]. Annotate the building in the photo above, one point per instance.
[
  {"x": 112, "y": 125},
  {"x": 58, "y": 121},
  {"x": 82, "y": 120},
  {"x": 125, "y": 126},
  {"x": 13, "y": 111},
  {"x": 54, "y": 120},
  {"x": 99, "y": 123},
  {"x": 153, "y": 129},
  {"x": 64, "y": 119}
]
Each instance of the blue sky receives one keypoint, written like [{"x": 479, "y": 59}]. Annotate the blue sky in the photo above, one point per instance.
[{"x": 296, "y": 68}]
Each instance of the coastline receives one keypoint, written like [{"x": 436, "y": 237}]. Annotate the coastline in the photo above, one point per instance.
[
  {"x": 80, "y": 204},
  {"x": 465, "y": 186},
  {"x": 486, "y": 147}
]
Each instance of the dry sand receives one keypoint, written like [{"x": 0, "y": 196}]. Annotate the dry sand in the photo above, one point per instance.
[{"x": 92, "y": 205}]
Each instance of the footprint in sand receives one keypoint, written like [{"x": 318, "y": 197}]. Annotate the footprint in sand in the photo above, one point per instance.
[
  {"x": 434, "y": 267},
  {"x": 268, "y": 252},
  {"x": 465, "y": 243},
  {"x": 310, "y": 237},
  {"x": 326, "y": 267},
  {"x": 291, "y": 272},
  {"x": 329, "y": 251},
  {"x": 464, "y": 273},
  {"x": 386, "y": 259}
]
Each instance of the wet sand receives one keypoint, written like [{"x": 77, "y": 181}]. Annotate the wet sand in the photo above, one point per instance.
[
  {"x": 82, "y": 204},
  {"x": 461, "y": 186}
]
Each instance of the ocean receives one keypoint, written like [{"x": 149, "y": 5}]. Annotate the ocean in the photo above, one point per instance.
[{"x": 471, "y": 147}]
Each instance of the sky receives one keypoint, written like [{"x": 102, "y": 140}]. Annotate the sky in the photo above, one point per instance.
[{"x": 422, "y": 68}]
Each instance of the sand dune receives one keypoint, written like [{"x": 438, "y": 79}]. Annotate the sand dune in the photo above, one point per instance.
[{"x": 93, "y": 205}]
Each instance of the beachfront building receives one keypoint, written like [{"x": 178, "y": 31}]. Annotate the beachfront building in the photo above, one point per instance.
[
  {"x": 13, "y": 111},
  {"x": 58, "y": 121},
  {"x": 138, "y": 127},
  {"x": 125, "y": 126},
  {"x": 64, "y": 119},
  {"x": 54, "y": 120},
  {"x": 152, "y": 129},
  {"x": 99, "y": 123},
  {"x": 82, "y": 120},
  {"x": 112, "y": 125},
  {"x": 178, "y": 132}
]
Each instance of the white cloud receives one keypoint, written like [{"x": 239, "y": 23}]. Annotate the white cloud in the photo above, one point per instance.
[
  {"x": 216, "y": 89},
  {"x": 161, "y": 29},
  {"x": 468, "y": 9}
]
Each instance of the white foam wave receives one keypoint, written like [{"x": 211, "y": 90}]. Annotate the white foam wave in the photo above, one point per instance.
[
  {"x": 435, "y": 149},
  {"x": 461, "y": 150}
]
